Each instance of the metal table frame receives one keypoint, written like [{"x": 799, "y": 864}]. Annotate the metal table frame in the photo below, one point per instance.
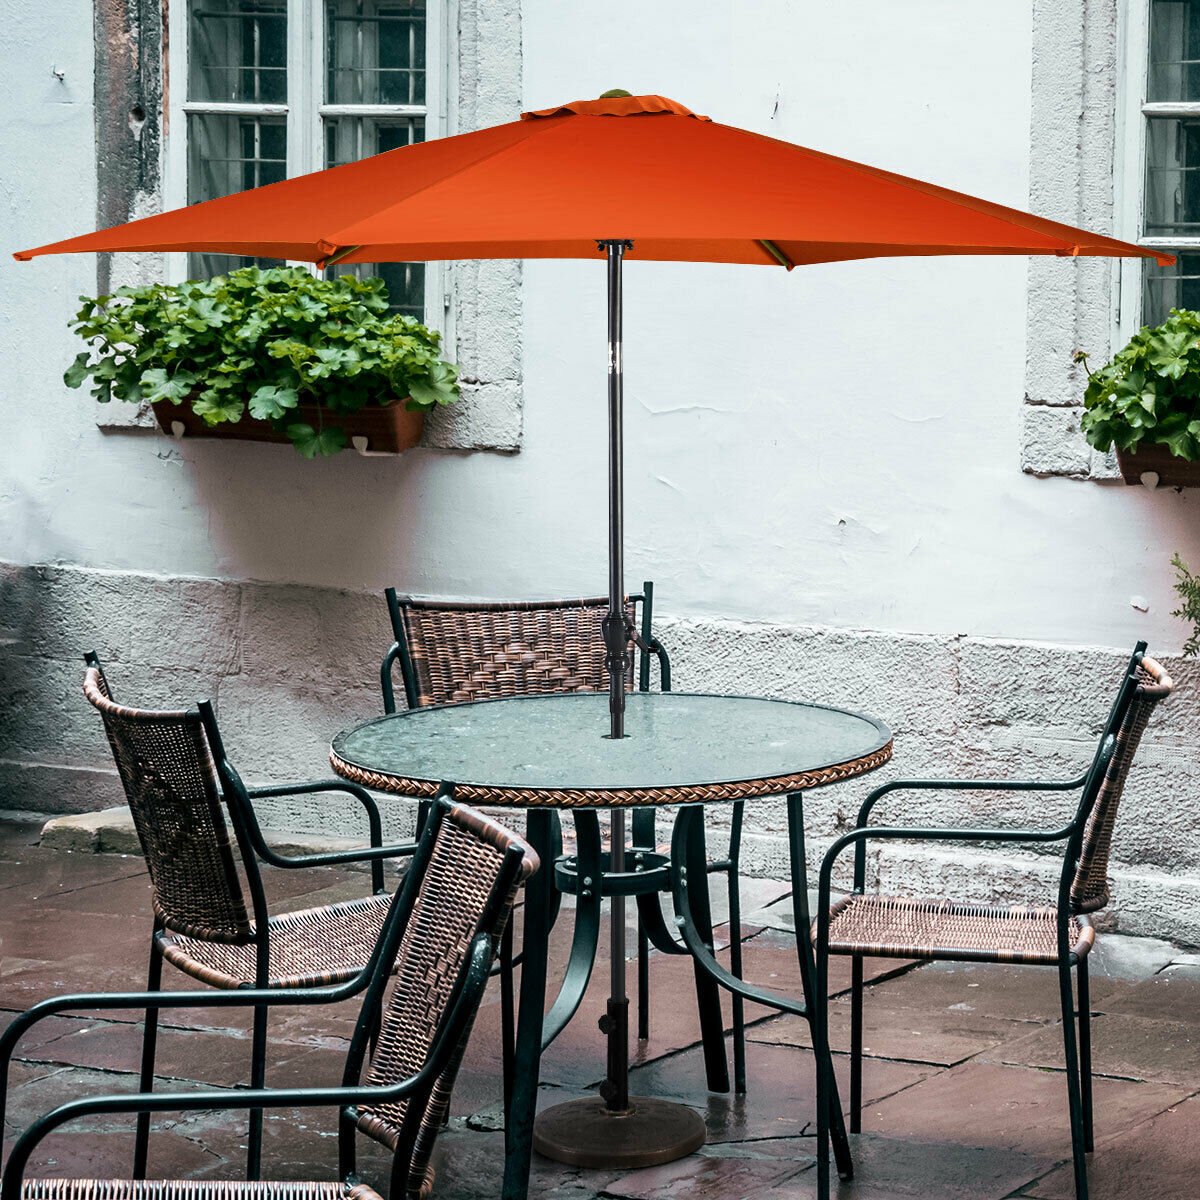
[{"x": 537, "y": 1028}]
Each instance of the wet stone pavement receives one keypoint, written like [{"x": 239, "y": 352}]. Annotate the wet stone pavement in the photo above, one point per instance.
[{"x": 963, "y": 1085}]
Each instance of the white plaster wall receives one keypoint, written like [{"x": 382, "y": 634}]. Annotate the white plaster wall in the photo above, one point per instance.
[
  {"x": 835, "y": 449},
  {"x": 836, "y": 445}
]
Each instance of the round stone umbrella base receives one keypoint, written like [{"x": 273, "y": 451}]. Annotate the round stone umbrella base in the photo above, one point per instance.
[{"x": 584, "y": 1133}]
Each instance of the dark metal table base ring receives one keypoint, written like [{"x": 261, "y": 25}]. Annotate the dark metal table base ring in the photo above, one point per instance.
[{"x": 587, "y": 1133}]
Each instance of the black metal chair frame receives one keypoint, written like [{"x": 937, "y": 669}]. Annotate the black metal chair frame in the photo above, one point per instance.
[
  {"x": 371, "y": 980},
  {"x": 1076, "y": 1015},
  {"x": 252, "y": 848},
  {"x": 646, "y": 882}
]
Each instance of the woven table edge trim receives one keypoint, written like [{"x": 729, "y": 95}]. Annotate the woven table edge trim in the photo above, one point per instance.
[{"x": 518, "y": 797}]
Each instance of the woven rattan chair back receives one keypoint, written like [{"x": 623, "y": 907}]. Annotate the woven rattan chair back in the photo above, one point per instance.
[
  {"x": 455, "y": 902},
  {"x": 463, "y": 651},
  {"x": 1090, "y": 887},
  {"x": 171, "y": 784}
]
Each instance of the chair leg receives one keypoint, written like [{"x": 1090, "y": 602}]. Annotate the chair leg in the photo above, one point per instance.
[
  {"x": 644, "y": 840},
  {"x": 141, "y": 1144},
  {"x": 735, "y": 948},
  {"x": 708, "y": 993},
  {"x": 1078, "y": 1153},
  {"x": 1085, "y": 1053},
  {"x": 508, "y": 1025},
  {"x": 856, "y": 1042},
  {"x": 258, "y": 1072}
]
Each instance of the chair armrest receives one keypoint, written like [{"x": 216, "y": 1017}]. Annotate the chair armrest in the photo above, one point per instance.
[
  {"x": 964, "y": 785},
  {"x": 237, "y": 998},
  {"x": 374, "y": 823},
  {"x": 859, "y": 837},
  {"x": 664, "y": 663},
  {"x": 386, "y": 684},
  {"x": 473, "y": 981}
]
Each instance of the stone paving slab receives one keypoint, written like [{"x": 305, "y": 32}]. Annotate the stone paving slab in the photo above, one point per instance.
[
  {"x": 1156, "y": 1158},
  {"x": 893, "y": 1168},
  {"x": 780, "y": 1100},
  {"x": 993, "y": 1106},
  {"x": 979, "y": 1130},
  {"x": 893, "y": 1031},
  {"x": 989, "y": 990},
  {"x": 1124, "y": 1047}
]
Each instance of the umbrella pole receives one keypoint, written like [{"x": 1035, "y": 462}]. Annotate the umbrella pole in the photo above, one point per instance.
[
  {"x": 616, "y": 1131},
  {"x": 616, "y": 634}
]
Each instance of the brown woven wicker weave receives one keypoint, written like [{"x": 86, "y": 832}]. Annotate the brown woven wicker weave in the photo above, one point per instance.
[
  {"x": 190, "y": 1189},
  {"x": 170, "y": 780},
  {"x": 1090, "y": 888},
  {"x": 462, "y": 871},
  {"x": 707, "y": 793},
  {"x": 475, "y": 650},
  {"x": 899, "y": 927},
  {"x": 308, "y": 948},
  {"x": 171, "y": 785}
]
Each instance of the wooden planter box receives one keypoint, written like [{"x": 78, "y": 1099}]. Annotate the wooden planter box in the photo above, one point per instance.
[
  {"x": 1171, "y": 470},
  {"x": 389, "y": 429}
]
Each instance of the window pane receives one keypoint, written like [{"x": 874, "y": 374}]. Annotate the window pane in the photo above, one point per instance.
[
  {"x": 348, "y": 139},
  {"x": 376, "y": 51},
  {"x": 237, "y": 50},
  {"x": 230, "y": 154},
  {"x": 1172, "y": 177},
  {"x": 1165, "y": 288}
]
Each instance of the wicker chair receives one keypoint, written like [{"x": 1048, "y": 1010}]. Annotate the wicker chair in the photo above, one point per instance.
[
  {"x": 438, "y": 937},
  {"x": 943, "y": 929},
  {"x": 455, "y": 652},
  {"x": 181, "y": 790}
]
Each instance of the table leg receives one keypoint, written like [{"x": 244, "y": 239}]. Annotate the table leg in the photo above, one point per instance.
[
  {"x": 586, "y": 935},
  {"x": 618, "y": 1131},
  {"x": 708, "y": 993},
  {"x": 830, "y": 1121},
  {"x": 518, "y": 1127}
]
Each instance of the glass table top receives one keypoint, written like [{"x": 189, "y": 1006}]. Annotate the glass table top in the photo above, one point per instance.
[{"x": 558, "y": 742}]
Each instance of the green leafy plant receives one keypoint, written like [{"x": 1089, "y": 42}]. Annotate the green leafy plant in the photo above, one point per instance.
[
  {"x": 1187, "y": 588},
  {"x": 1150, "y": 391},
  {"x": 259, "y": 343}
]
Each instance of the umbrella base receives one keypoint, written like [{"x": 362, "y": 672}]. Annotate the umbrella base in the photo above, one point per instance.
[{"x": 585, "y": 1133}]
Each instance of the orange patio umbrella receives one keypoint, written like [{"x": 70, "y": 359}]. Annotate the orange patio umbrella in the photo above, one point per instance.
[{"x": 623, "y": 177}]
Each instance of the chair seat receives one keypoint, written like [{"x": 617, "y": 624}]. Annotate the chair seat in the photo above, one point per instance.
[
  {"x": 900, "y": 927},
  {"x": 189, "y": 1189},
  {"x": 309, "y": 948}
]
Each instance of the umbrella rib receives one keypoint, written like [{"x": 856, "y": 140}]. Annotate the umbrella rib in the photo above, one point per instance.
[
  {"x": 974, "y": 204},
  {"x": 435, "y": 183}
]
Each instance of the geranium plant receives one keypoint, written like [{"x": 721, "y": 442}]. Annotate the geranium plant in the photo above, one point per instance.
[
  {"x": 258, "y": 343},
  {"x": 1150, "y": 391}
]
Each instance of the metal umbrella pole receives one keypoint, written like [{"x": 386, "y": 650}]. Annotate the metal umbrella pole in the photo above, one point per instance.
[
  {"x": 617, "y": 1131},
  {"x": 615, "y": 624}
]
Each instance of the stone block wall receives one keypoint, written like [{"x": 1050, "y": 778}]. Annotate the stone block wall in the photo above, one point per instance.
[{"x": 288, "y": 666}]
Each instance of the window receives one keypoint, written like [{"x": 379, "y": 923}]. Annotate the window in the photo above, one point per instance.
[
  {"x": 1163, "y": 140},
  {"x": 276, "y": 88}
]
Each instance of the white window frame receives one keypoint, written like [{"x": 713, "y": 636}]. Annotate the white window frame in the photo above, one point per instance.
[
  {"x": 1129, "y": 186},
  {"x": 305, "y": 112}
]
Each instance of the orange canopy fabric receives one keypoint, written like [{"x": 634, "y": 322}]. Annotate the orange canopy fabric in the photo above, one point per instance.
[{"x": 678, "y": 186}]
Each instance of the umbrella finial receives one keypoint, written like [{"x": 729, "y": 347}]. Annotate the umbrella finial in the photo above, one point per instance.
[{"x": 614, "y": 94}]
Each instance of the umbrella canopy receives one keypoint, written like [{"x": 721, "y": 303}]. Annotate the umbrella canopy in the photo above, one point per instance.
[{"x": 678, "y": 185}]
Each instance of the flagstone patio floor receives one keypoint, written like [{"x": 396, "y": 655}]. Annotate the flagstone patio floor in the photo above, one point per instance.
[{"x": 965, "y": 1096}]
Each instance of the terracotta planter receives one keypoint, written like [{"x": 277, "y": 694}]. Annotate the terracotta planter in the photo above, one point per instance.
[
  {"x": 387, "y": 429},
  {"x": 1171, "y": 470}
]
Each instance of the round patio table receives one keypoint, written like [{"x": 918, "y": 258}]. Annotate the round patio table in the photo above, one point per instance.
[{"x": 550, "y": 752}]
